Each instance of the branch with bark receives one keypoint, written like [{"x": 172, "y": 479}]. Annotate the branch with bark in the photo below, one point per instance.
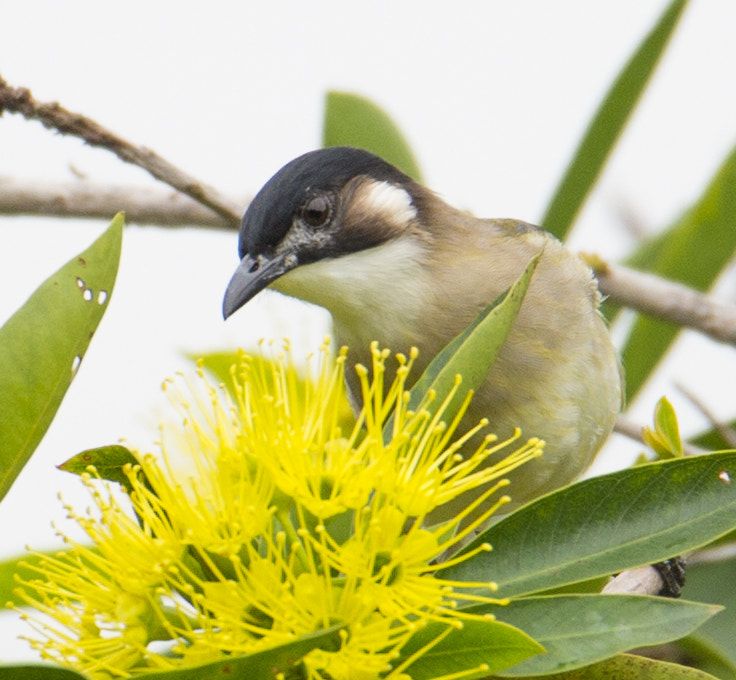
[
  {"x": 665, "y": 300},
  {"x": 645, "y": 293},
  {"x": 92, "y": 200},
  {"x": 54, "y": 117}
]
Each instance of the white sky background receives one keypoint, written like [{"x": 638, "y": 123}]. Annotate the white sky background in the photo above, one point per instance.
[{"x": 492, "y": 95}]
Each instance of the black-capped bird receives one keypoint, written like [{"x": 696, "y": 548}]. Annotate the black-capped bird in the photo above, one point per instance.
[{"x": 392, "y": 262}]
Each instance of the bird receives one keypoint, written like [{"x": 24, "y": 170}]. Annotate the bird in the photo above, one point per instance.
[{"x": 393, "y": 262}]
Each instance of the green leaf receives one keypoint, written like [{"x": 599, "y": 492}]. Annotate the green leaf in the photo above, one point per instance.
[
  {"x": 701, "y": 653},
  {"x": 629, "y": 667},
  {"x": 714, "y": 583},
  {"x": 38, "y": 672},
  {"x": 109, "y": 461},
  {"x": 606, "y": 524},
  {"x": 267, "y": 665},
  {"x": 712, "y": 439},
  {"x": 471, "y": 353},
  {"x": 664, "y": 439},
  {"x": 20, "y": 565},
  {"x": 351, "y": 120},
  {"x": 693, "y": 251},
  {"x": 219, "y": 364},
  {"x": 577, "y": 630},
  {"x": 42, "y": 344},
  {"x": 488, "y": 646},
  {"x": 607, "y": 124}
]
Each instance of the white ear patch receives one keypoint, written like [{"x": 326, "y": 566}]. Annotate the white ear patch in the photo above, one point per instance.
[{"x": 388, "y": 200}]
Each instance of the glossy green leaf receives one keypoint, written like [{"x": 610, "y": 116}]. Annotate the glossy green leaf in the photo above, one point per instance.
[
  {"x": 630, "y": 667},
  {"x": 577, "y": 630},
  {"x": 714, "y": 583},
  {"x": 267, "y": 665},
  {"x": 472, "y": 353},
  {"x": 108, "y": 461},
  {"x": 43, "y": 343},
  {"x": 38, "y": 672},
  {"x": 701, "y": 653},
  {"x": 606, "y": 524},
  {"x": 488, "y": 646},
  {"x": 693, "y": 251},
  {"x": 352, "y": 120},
  {"x": 664, "y": 438},
  {"x": 607, "y": 124}
]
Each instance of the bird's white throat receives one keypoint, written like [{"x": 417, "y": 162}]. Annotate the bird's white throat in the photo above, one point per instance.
[{"x": 381, "y": 287}]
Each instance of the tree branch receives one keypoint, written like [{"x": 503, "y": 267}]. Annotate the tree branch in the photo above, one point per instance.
[
  {"x": 646, "y": 293},
  {"x": 142, "y": 205},
  {"x": 725, "y": 431},
  {"x": 639, "y": 581},
  {"x": 666, "y": 300},
  {"x": 55, "y": 117}
]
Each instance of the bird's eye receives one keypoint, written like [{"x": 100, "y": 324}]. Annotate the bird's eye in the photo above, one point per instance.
[{"x": 316, "y": 212}]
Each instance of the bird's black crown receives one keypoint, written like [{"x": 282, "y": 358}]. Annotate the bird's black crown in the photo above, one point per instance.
[{"x": 270, "y": 213}]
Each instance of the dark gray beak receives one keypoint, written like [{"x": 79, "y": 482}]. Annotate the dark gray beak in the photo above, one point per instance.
[{"x": 252, "y": 276}]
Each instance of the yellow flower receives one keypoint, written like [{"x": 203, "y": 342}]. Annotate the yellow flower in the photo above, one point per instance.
[
  {"x": 261, "y": 521},
  {"x": 293, "y": 429}
]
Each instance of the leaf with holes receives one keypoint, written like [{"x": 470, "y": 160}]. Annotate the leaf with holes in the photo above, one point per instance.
[{"x": 42, "y": 345}]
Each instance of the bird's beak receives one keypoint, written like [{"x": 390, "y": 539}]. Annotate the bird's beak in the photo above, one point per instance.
[{"x": 252, "y": 276}]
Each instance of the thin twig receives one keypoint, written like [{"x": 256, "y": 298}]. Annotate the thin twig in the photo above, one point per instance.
[
  {"x": 665, "y": 300},
  {"x": 628, "y": 428},
  {"x": 724, "y": 429},
  {"x": 712, "y": 554},
  {"x": 55, "y": 117},
  {"x": 646, "y": 293},
  {"x": 85, "y": 199}
]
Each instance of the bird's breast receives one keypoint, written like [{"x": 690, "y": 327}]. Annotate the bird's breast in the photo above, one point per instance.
[{"x": 375, "y": 294}]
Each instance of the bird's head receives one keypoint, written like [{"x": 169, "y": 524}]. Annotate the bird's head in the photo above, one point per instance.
[{"x": 314, "y": 214}]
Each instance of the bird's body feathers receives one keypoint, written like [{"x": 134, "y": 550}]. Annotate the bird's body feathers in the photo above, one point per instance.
[{"x": 393, "y": 262}]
